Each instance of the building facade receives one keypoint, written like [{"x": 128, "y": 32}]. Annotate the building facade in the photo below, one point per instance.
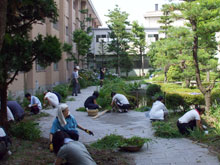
[{"x": 44, "y": 78}]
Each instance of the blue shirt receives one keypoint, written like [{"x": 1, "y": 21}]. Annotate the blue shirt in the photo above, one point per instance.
[
  {"x": 71, "y": 125},
  {"x": 35, "y": 100}
]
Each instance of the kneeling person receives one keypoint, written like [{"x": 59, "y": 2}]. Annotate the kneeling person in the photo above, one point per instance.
[
  {"x": 73, "y": 152},
  {"x": 119, "y": 102},
  {"x": 158, "y": 110},
  {"x": 35, "y": 104},
  {"x": 91, "y": 103},
  {"x": 190, "y": 120}
]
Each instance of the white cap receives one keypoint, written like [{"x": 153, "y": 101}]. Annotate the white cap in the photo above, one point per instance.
[{"x": 77, "y": 67}]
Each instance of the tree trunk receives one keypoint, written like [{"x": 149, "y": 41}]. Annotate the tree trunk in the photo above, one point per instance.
[
  {"x": 142, "y": 64},
  {"x": 187, "y": 82},
  {"x": 208, "y": 100},
  {"x": 3, "y": 112},
  {"x": 208, "y": 76},
  {"x": 3, "y": 19}
]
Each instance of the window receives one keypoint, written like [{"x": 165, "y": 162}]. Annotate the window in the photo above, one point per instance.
[
  {"x": 67, "y": 30},
  {"x": 55, "y": 67},
  {"x": 156, "y": 36},
  {"x": 156, "y": 7},
  {"x": 99, "y": 37},
  {"x": 39, "y": 68}
]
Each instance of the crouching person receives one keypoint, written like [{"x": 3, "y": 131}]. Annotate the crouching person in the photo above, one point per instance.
[
  {"x": 119, "y": 102},
  {"x": 67, "y": 123},
  {"x": 5, "y": 142},
  {"x": 91, "y": 103},
  {"x": 190, "y": 120},
  {"x": 35, "y": 104},
  {"x": 70, "y": 151},
  {"x": 158, "y": 110}
]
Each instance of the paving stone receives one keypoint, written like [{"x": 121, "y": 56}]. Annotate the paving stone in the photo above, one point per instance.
[{"x": 160, "y": 152}]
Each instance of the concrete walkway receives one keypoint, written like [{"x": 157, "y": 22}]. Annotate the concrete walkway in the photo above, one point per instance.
[{"x": 160, "y": 152}]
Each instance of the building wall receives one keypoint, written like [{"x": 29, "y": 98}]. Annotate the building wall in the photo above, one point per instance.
[{"x": 44, "y": 78}]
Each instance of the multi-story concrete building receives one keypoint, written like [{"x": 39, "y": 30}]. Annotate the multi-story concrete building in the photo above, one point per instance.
[
  {"x": 43, "y": 78},
  {"x": 101, "y": 57}
]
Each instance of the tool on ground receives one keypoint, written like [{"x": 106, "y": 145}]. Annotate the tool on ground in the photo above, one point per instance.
[
  {"x": 100, "y": 114},
  {"x": 89, "y": 132}
]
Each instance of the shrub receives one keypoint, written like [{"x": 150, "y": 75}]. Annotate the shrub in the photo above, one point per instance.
[
  {"x": 108, "y": 142},
  {"x": 113, "y": 141},
  {"x": 62, "y": 89},
  {"x": 152, "y": 90},
  {"x": 174, "y": 73},
  {"x": 165, "y": 130},
  {"x": 158, "y": 78},
  {"x": 26, "y": 130},
  {"x": 118, "y": 86},
  {"x": 143, "y": 109}
]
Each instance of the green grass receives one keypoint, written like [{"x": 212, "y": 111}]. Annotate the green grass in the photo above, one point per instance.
[
  {"x": 113, "y": 141},
  {"x": 168, "y": 128},
  {"x": 81, "y": 109},
  {"x": 142, "y": 109}
]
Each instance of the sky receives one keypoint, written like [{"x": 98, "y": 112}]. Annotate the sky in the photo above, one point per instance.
[{"x": 135, "y": 8}]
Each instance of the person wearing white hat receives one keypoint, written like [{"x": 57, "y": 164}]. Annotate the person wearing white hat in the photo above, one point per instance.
[{"x": 66, "y": 122}]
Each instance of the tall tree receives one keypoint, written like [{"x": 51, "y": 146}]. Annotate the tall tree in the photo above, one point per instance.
[
  {"x": 82, "y": 37},
  {"x": 3, "y": 13},
  {"x": 138, "y": 37},
  {"x": 118, "y": 20},
  {"x": 19, "y": 51},
  {"x": 204, "y": 21},
  {"x": 102, "y": 50}
]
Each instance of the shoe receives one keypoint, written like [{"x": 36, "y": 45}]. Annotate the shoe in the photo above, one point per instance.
[
  {"x": 120, "y": 111},
  {"x": 125, "y": 110},
  {"x": 75, "y": 94}
]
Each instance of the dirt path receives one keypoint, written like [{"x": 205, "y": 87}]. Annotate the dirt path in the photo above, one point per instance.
[{"x": 163, "y": 151}]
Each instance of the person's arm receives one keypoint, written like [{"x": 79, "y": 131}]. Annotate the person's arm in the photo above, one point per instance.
[
  {"x": 58, "y": 161},
  {"x": 51, "y": 137},
  {"x": 86, "y": 130},
  {"x": 95, "y": 101},
  {"x": 199, "y": 125}
]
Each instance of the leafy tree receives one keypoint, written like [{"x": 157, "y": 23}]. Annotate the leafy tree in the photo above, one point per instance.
[
  {"x": 204, "y": 21},
  {"x": 82, "y": 38},
  {"x": 19, "y": 51},
  {"x": 119, "y": 35},
  {"x": 3, "y": 13},
  {"x": 139, "y": 44},
  {"x": 102, "y": 50}
]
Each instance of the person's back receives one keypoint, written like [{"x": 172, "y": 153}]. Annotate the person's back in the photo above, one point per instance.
[
  {"x": 157, "y": 111},
  {"x": 189, "y": 116},
  {"x": 89, "y": 100},
  {"x": 121, "y": 98},
  {"x": 58, "y": 95},
  {"x": 53, "y": 99},
  {"x": 75, "y": 153},
  {"x": 16, "y": 110}
]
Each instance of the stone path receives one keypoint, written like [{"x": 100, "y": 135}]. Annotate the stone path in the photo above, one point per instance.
[{"x": 160, "y": 152}]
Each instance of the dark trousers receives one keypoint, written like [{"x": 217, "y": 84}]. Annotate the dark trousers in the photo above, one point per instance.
[
  {"x": 92, "y": 106},
  {"x": 73, "y": 135},
  {"x": 75, "y": 87},
  {"x": 184, "y": 127},
  {"x": 35, "y": 110}
]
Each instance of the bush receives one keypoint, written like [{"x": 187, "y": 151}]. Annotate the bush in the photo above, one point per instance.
[
  {"x": 26, "y": 130},
  {"x": 62, "y": 89},
  {"x": 165, "y": 130},
  {"x": 174, "y": 73},
  {"x": 158, "y": 78},
  {"x": 118, "y": 86},
  {"x": 152, "y": 90},
  {"x": 113, "y": 141}
]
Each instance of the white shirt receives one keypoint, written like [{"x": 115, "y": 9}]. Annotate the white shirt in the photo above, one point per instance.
[
  {"x": 157, "y": 110},
  {"x": 53, "y": 98},
  {"x": 35, "y": 100},
  {"x": 10, "y": 115},
  {"x": 189, "y": 116},
  {"x": 120, "y": 98},
  {"x": 2, "y": 133}
]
